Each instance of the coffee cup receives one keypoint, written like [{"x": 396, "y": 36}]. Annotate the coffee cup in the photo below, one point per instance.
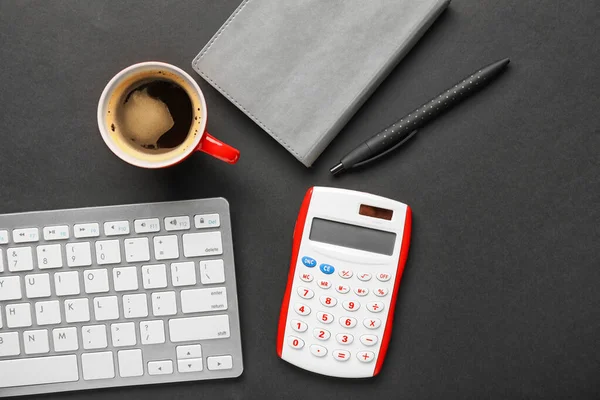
[{"x": 153, "y": 115}]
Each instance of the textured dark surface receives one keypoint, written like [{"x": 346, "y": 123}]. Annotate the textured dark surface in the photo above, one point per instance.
[{"x": 500, "y": 296}]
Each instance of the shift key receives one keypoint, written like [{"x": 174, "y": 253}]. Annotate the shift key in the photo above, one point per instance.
[
  {"x": 199, "y": 328},
  {"x": 202, "y": 300}
]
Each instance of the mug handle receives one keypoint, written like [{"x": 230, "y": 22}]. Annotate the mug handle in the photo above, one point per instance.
[{"x": 213, "y": 146}]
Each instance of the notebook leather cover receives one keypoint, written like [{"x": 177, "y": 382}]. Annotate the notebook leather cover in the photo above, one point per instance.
[{"x": 301, "y": 68}]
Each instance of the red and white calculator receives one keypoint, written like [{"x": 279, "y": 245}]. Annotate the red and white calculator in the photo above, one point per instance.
[{"x": 347, "y": 261}]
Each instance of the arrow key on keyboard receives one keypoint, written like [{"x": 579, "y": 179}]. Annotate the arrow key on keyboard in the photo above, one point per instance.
[{"x": 160, "y": 367}]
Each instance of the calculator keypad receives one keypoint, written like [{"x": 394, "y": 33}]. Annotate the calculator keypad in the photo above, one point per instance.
[{"x": 359, "y": 297}]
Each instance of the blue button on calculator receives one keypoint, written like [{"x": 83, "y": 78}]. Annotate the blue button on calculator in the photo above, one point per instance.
[
  {"x": 309, "y": 261},
  {"x": 327, "y": 269}
]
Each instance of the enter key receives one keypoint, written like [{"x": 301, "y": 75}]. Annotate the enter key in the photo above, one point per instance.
[{"x": 202, "y": 300}]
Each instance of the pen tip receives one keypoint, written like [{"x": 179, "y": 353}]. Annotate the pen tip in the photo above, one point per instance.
[{"x": 337, "y": 169}]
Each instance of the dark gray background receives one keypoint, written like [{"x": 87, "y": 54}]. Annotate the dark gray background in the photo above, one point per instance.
[{"x": 500, "y": 298}]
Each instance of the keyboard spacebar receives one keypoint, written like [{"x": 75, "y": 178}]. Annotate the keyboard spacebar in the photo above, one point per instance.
[
  {"x": 37, "y": 371},
  {"x": 199, "y": 328}
]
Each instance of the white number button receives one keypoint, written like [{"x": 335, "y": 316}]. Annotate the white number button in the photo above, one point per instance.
[
  {"x": 348, "y": 322},
  {"x": 19, "y": 259},
  {"x": 328, "y": 301},
  {"x": 365, "y": 356},
  {"x": 295, "y": 343},
  {"x": 78, "y": 254},
  {"x": 344, "y": 338},
  {"x": 302, "y": 309},
  {"x": 298, "y": 326},
  {"x": 324, "y": 283},
  {"x": 383, "y": 276},
  {"x": 375, "y": 306},
  {"x": 321, "y": 334},
  {"x": 306, "y": 277},
  {"x": 108, "y": 252},
  {"x": 49, "y": 256},
  {"x": 369, "y": 340},
  {"x": 341, "y": 355},
  {"x": 361, "y": 291},
  {"x": 372, "y": 323},
  {"x": 342, "y": 289},
  {"x": 305, "y": 293},
  {"x": 345, "y": 273},
  {"x": 324, "y": 317},
  {"x": 364, "y": 276},
  {"x": 318, "y": 351},
  {"x": 351, "y": 305},
  {"x": 381, "y": 292}
]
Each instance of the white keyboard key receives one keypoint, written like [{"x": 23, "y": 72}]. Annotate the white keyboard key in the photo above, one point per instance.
[
  {"x": 125, "y": 279},
  {"x": 26, "y": 235},
  {"x": 123, "y": 334},
  {"x": 60, "y": 232},
  {"x": 328, "y": 301},
  {"x": 47, "y": 312},
  {"x": 66, "y": 283},
  {"x": 212, "y": 271},
  {"x": 201, "y": 300},
  {"x": 38, "y": 371},
  {"x": 137, "y": 250},
  {"x": 3, "y": 236},
  {"x": 1, "y": 260},
  {"x": 219, "y": 363},
  {"x": 202, "y": 244},
  {"x": 115, "y": 228},
  {"x": 95, "y": 281},
  {"x": 345, "y": 273},
  {"x": 36, "y": 342},
  {"x": 163, "y": 303},
  {"x": 295, "y": 342},
  {"x": 98, "y": 366},
  {"x": 90, "y": 230},
  {"x": 37, "y": 286},
  {"x": 78, "y": 254},
  {"x": 343, "y": 289},
  {"x": 324, "y": 317},
  {"x": 18, "y": 315},
  {"x": 49, "y": 256},
  {"x": 341, "y": 355},
  {"x": 9, "y": 346},
  {"x": 152, "y": 332},
  {"x": 154, "y": 276},
  {"x": 375, "y": 306},
  {"x": 321, "y": 334},
  {"x": 301, "y": 309},
  {"x": 189, "y": 365},
  {"x": 344, "y": 338},
  {"x": 106, "y": 308},
  {"x": 19, "y": 259},
  {"x": 191, "y": 351},
  {"x": 298, "y": 326},
  {"x": 135, "y": 306},
  {"x": 369, "y": 340},
  {"x": 130, "y": 363},
  {"x": 361, "y": 291},
  {"x": 94, "y": 337},
  {"x": 177, "y": 223},
  {"x": 365, "y": 276},
  {"x": 199, "y": 328},
  {"x": 365, "y": 356},
  {"x": 324, "y": 283},
  {"x": 0, "y": 317},
  {"x": 147, "y": 225},
  {"x": 108, "y": 252},
  {"x": 77, "y": 310},
  {"x": 207, "y": 221},
  {"x": 65, "y": 339},
  {"x": 381, "y": 292},
  {"x": 305, "y": 293},
  {"x": 306, "y": 277},
  {"x": 372, "y": 323},
  {"x": 383, "y": 276},
  {"x": 10, "y": 288},
  {"x": 183, "y": 274},
  {"x": 350, "y": 305},
  {"x": 166, "y": 247},
  {"x": 318, "y": 351},
  {"x": 347, "y": 322},
  {"x": 164, "y": 367}
]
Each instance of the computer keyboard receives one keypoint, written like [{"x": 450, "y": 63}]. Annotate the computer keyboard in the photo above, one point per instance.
[{"x": 117, "y": 296}]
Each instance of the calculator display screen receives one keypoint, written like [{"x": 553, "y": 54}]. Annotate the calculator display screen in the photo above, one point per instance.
[{"x": 353, "y": 236}]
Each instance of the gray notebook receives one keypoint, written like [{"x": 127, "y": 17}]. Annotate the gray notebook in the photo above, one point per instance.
[{"x": 301, "y": 68}]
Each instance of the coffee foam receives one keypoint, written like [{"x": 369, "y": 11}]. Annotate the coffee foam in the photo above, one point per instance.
[
  {"x": 145, "y": 119},
  {"x": 134, "y": 149}
]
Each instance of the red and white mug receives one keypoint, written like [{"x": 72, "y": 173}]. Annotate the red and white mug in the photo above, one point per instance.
[{"x": 198, "y": 139}]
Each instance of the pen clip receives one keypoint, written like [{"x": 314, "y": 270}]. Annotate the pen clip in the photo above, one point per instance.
[{"x": 387, "y": 151}]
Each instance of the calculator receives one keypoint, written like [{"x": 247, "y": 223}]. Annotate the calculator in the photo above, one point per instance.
[{"x": 349, "y": 252}]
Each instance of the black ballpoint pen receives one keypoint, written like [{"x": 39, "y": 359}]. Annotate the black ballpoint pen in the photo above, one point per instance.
[{"x": 398, "y": 133}]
